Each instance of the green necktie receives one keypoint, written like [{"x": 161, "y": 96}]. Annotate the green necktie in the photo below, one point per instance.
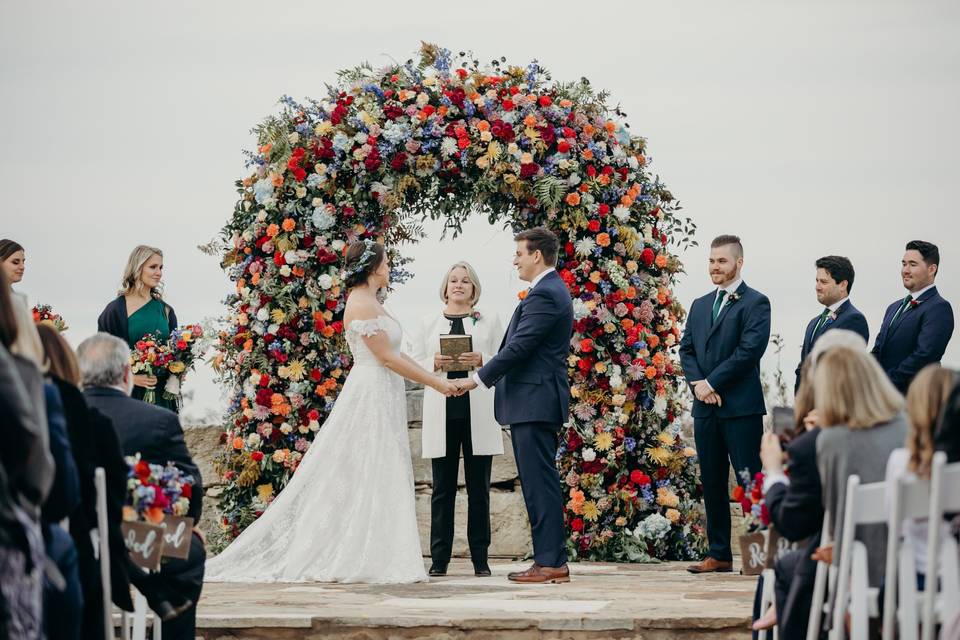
[
  {"x": 823, "y": 318},
  {"x": 903, "y": 307},
  {"x": 717, "y": 304}
]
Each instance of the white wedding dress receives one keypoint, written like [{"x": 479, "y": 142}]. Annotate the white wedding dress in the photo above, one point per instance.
[{"x": 348, "y": 514}]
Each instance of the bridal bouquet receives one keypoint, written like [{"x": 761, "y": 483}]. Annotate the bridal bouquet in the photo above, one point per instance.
[
  {"x": 751, "y": 499},
  {"x": 150, "y": 358},
  {"x": 43, "y": 313},
  {"x": 186, "y": 347},
  {"x": 154, "y": 490}
]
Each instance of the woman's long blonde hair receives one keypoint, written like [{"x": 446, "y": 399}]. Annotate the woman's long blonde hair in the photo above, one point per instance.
[
  {"x": 926, "y": 399},
  {"x": 131, "y": 282},
  {"x": 851, "y": 390}
]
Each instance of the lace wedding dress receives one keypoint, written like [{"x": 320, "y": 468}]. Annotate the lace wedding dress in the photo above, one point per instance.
[{"x": 348, "y": 514}]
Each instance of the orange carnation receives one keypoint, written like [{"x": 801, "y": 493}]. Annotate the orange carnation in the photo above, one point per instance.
[
  {"x": 272, "y": 230},
  {"x": 289, "y": 224},
  {"x": 661, "y": 260},
  {"x": 651, "y": 372},
  {"x": 603, "y": 239},
  {"x": 238, "y": 443},
  {"x": 573, "y": 198}
]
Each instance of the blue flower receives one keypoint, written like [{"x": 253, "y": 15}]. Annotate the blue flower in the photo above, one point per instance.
[
  {"x": 263, "y": 190},
  {"x": 629, "y": 443}
]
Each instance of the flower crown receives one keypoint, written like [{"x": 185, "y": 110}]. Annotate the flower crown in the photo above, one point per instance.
[{"x": 362, "y": 262}]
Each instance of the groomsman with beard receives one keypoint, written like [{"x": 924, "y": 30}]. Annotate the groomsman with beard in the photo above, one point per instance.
[
  {"x": 726, "y": 335},
  {"x": 834, "y": 284},
  {"x": 917, "y": 328}
]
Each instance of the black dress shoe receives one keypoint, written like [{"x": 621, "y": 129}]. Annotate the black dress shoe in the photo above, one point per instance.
[
  {"x": 167, "y": 611},
  {"x": 438, "y": 570},
  {"x": 481, "y": 569}
]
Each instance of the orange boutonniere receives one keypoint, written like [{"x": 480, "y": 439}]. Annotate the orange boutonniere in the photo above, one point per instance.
[{"x": 523, "y": 294}]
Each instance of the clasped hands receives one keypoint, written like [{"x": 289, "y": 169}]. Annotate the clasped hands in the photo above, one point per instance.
[
  {"x": 704, "y": 393},
  {"x": 456, "y": 387}
]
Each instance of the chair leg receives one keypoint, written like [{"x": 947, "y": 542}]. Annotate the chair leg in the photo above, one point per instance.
[
  {"x": 907, "y": 603},
  {"x": 859, "y": 584}
]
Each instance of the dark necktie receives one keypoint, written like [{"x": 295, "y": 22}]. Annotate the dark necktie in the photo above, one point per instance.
[
  {"x": 717, "y": 304},
  {"x": 823, "y": 319}
]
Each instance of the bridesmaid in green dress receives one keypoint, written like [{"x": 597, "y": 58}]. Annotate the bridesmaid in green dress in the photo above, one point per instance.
[{"x": 140, "y": 310}]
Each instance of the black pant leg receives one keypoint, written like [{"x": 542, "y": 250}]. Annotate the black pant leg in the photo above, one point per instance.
[
  {"x": 186, "y": 578},
  {"x": 535, "y": 444},
  {"x": 443, "y": 501},
  {"x": 795, "y": 614},
  {"x": 714, "y": 472},
  {"x": 476, "y": 470},
  {"x": 742, "y": 437}
]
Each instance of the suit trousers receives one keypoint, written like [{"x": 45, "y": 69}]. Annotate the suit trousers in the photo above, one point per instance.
[
  {"x": 476, "y": 471},
  {"x": 535, "y": 449},
  {"x": 721, "y": 442},
  {"x": 185, "y": 578}
]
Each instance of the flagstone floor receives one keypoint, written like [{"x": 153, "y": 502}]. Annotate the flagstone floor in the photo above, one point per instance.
[{"x": 602, "y": 601}]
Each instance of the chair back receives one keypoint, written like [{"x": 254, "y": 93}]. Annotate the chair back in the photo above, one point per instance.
[
  {"x": 944, "y": 498},
  {"x": 103, "y": 550}
]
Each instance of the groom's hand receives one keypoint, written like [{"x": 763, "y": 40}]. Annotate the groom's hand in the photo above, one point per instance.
[
  {"x": 701, "y": 388},
  {"x": 466, "y": 384}
]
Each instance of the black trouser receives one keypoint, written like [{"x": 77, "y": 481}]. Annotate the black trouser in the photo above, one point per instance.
[
  {"x": 721, "y": 442},
  {"x": 476, "y": 471},
  {"x": 535, "y": 448}
]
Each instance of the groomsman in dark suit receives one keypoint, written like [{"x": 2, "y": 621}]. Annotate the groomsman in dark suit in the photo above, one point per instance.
[
  {"x": 917, "y": 328},
  {"x": 834, "y": 284},
  {"x": 726, "y": 335}
]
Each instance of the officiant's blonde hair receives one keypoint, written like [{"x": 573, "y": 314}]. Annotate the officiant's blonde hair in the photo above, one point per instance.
[{"x": 474, "y": 280}]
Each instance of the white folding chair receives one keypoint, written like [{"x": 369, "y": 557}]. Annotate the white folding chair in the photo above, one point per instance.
[
  {"x": 864, "y": 505},
  {"x": 820, "y": 584},
  {"x": 942, "y": 556},
  {"x": 766, "y": 600},
  {"x": 103, "y": 550}
]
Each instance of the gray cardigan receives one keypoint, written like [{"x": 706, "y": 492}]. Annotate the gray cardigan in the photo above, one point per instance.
[{"x": 843, "y": 452}]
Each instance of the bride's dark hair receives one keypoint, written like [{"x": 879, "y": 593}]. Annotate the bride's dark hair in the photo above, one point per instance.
[{"x": 363, "y": 257}]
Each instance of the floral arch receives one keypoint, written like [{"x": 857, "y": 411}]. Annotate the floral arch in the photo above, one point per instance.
[{"x": 442, "y": 136}]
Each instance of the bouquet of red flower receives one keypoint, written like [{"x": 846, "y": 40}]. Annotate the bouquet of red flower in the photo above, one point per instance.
[
  {"x": 154, "y": 490},
  {"x": 150, "y": 358},
  {"x": 186, "y": 348},
  {"x": 43, "y": 313},
  {"x": 750, "y": 496}
]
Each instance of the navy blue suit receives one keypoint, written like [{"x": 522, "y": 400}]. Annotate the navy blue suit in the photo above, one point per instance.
[
  {"x": 533, "y": 397},
  {"x": 848, "y": 317},
  {"x": 726, "y": 353},
  {"x": 918, "y": 338}
]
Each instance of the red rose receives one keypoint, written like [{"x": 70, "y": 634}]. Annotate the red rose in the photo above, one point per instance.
[
  {"x": 591, "y": 171},
  {"x": 568, "y": 247},
  {"x": 577, "y": 524},
  {"x": 399, "y": 161},
  {"x": 586, "y": 345},
  {"x": 181, "y": 345},
  {"x": 639, "y": 477},
  {"x": 647, "y": 256},
  {"x": 593, "y": 225},
  {"x": 563, "y": 146},
  {"x": 529, "y": 170},
  {"x": 315, "y": 375},
  {"x": 187, "y": 491},
  {"x": 313, "y": 414},
  {"x": 256, "y": 456},
  {"x": 545, "y": 101},
  {"x": 603, "y": 209},
  {"x": 746, "y": 505},
  {"x": 142, "y": 470}
]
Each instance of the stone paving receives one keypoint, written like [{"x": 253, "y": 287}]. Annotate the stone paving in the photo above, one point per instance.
[{"x": 652, "y": 602}]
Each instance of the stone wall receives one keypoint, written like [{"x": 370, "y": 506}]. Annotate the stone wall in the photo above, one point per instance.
[{"x": 510, "y": 529}]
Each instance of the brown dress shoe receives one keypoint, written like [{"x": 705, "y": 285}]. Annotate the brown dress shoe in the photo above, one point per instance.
[
  {"x": 538, "y": 574},
  {"x": 711, "y": 565}
]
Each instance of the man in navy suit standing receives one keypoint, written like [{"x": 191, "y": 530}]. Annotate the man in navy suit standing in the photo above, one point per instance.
[
  {"x": 532, "y": 395},
  {"x": 834, "y": 284},
  {"x": 916, "y": 329},
  {"x": 726, "y": 335}
]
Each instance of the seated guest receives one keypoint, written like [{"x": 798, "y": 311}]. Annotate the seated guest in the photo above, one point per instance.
[
  {"x": 861, "y": 415},
  {"x": 95, "y": 444},
  {"x": 833, "y": 285},
  {"x": 915, "y": 330},
  {"x": 926, "y": 399},
  {"x": 946, "y": 438},
  {"x": 154, "y": 433}
]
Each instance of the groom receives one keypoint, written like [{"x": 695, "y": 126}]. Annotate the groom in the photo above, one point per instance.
[{"x": 533, "y": 396}]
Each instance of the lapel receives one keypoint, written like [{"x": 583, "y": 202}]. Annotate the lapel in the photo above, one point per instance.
[
  {"x": 912, "y": 309},
  {"x": 516, "y": 312},
  {"x": 829, "y": 322},
  {"x": 725, "y": 309}
]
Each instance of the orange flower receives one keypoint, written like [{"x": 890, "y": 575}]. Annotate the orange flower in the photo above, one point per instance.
[
  {"x": 603, "y": 239},
  {"x": 651, "y": 372},
  {"x": 661, "y": 260},
  {"x": 154, "y": 515},
  {"x": 265, "y": 148},
  {"x": 626, "y": 200},
  {"x": 289, "y": 224},
  {"x": 272, "y": 230},
  {"x": 566, "y": 104},
  {"x": 627, "y": 324},
  {"x": 327, "y": 331},
  {"x": 588, "y": 129},
  {"x": 238, "y": 443},
  {"x": 255, "y": 279},
  {"x": 573, "y": 198},
  {"x": 298, "y": 271},
  {"x": 653, "y": 340},
  {"x": 522, "y": 294},
  {"x": 631, "y": 292},
  {"x": 483, "y": 125},
  {"x": 276, "y": 179},
  {"x": 248, "y": 345},
  {"x": 610, "y": 127},
  {"x": 587, "y": 154},
  {"x": 658, "y": 358}
]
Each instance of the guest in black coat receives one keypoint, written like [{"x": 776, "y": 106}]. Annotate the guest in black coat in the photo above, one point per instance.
[
  {"x": 156, "y": 434},
  {"x": 834, "y": 284}
]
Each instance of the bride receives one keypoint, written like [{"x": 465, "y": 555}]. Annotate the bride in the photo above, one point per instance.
[{"x": 348, "y": 514}]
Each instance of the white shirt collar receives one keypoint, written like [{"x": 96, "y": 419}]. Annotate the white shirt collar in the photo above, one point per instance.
[
  {"x": 836, "y": 305},
  {"x": 540, "y": 277},
  {"x": 923, "y": 291},
  {"x": 730, "y": 288}
]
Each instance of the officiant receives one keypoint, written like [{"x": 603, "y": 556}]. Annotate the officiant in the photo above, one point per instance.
[{"x": 459, "y": 424}]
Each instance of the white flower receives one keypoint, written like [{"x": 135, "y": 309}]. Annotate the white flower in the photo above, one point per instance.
[
  {"x": 286, "y": 429},
  {"x": 580, "y": 309},
  {"x": 449, "y": 146},
  {"x": 263, "y": 314},
  {"x": 653, "y": 527},
  {"x": 660, "y": 406},
  {"x": 285, "y": 270},
  {"x": 585, "y": 246},
  {"x": 173, "y": 385},
  {"x": 589, "y": 455},
  {"x": 338, "y": 245},
  {"x": 263, "y": 190},
  {"x": 322, "y": 219},
  {"x": 253, "y": 440},
  {"x": 314, "y": 426},
  {"x": 291, "y": 257},
  {"x": 325, "y": 281},
  {"x": 361, "y": 137},
  {"x": 273, "y": 328},
  {"x": 573, "y": 180},
  {"x": 621, "y": 213}
]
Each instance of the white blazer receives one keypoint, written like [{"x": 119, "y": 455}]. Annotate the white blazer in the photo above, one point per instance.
[{"x": 485, "y": 434}]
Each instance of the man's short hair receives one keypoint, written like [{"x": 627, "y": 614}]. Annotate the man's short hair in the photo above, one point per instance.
[
  {"x": 928, "y": 251},
  {"x": 722, "y": 241},
  {"x": 543, "y": 240},
  {"x": 839, "y": 268},
  {"x": 103, "y": 360}
]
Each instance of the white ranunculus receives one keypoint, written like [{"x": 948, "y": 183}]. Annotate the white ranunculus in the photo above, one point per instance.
[
  {"x": 263, "y": 314},
  {"x": 285, "y": 270},
  {"x": 325, "y": 281},
  {"x": 291, "y": 257},
  {"x": 589, "y": 455}
]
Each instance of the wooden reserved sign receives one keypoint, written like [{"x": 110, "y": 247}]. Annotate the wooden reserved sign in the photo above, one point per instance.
[
  {"x": 144, "y": 543},
  {"x": 753, "y": 553},
  {"x": 777, "y": 546},
  {"x": 177, "y": 533}
]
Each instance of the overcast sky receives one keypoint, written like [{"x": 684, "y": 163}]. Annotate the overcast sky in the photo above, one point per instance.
[{"x": 808, "y": 128}]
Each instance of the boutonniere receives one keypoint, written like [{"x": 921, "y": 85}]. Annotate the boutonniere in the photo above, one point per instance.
[
  {"x": 831, "y": 317},
  {"x": 522, "y": 294},
  {"x": 732, "y": 297},
  {"x": 915, "y": 303},
  {"x": 475, "y": 316}
]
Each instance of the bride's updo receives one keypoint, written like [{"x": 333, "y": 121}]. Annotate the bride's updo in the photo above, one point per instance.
[{"x": 361, "y": 260}]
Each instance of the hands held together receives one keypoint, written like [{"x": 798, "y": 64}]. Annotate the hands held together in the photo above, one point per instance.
[
  {"x": 705, "y": 393},
  {"x": 456, "y": 387}
]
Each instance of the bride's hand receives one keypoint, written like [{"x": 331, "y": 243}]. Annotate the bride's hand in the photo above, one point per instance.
[{"x": 447, "y": 388}]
